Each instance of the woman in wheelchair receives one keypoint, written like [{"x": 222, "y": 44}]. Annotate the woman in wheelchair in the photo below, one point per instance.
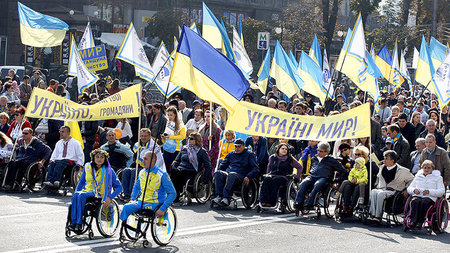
[
  {"x": 191, "y": 159},
  {"x": 391, "y": 178},
  {"x": 426, "y": 187},
  {"x": 280, "y": 166},
  {"x": 97, "y": 181}
]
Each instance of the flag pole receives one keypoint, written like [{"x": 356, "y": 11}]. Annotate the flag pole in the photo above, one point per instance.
[
  {"x": 370, "y": 161},
  {"x": 417, "y": 100},
  {"x": 210, "y": 122}
]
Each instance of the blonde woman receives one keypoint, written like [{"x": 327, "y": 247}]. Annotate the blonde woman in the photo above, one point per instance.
[{"x": 174, "y": 133}]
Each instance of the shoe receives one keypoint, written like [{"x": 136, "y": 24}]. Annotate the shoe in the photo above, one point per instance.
[
  {"x": 309, "y": 207},
  {"x": 217, "y": 200},
  {"x": 56, "y": 184},
  {"x": 225, "y": 202},
  {"x": 338, "y": 194},
  {"x": 72, "y": 226},
  {"x": 360, "y": 201},
  {"x": 7, "y": 187},
  {"x": 47, "y": 183},
  {"x": 78, "y": 227}
]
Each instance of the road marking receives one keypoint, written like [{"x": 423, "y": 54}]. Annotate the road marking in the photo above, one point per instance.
[
  {"x": 62, "y": 245},
  {"x": 210, "y": 239},
  {"x": 30, "y": 214}
]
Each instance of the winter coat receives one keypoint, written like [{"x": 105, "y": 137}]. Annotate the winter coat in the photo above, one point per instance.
[
  {"x": 243, "y": 163},
  {"x": 403, "y": 179},
  {"x": 441, "y": 162},
  {"x": 432, "y": 182}
]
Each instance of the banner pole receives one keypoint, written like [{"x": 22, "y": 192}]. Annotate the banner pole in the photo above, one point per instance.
[{"x": 210, "y": 122}]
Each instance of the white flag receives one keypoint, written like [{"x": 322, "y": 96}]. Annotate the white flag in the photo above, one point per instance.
[
  {"x": 84, "y": 77},
  {"x": 404, "y": 69},
  {"x": 327, "y": 74},
  {"x": 442, "y": 81},
  {"x": 72, "y": 68},
  {"x": 242, "y": 59},
  {"x": 164, "y": 68},
  {"x": 87, "y": 41},
  {"x": 133, "y": 52},
  {"x": 415, "y": 58}
]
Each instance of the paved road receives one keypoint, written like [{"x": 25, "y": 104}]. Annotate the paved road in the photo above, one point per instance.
[{"x": 35, "y": 223}]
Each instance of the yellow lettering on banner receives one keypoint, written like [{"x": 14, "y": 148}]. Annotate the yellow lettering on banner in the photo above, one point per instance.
[
  {"x": 44, "y": 104},
  {"x": 259, "y": 120}
]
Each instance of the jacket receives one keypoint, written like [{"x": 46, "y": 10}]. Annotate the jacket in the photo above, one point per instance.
[
  {"x": 432, "y": 182},
  {"x": 98, "y": 186},
  {"x": 243, "y": 163},
  {"x": 226, "y": 148},
  {"x": 37, "y": 150},
  {"x": 403, "y": 179},
  {"x": 440, "y": 140},
  {"x": 120, "y": 155},
  {"x": 418, "y": 129},
  {"x": 157, "y": 128},
  {"x": 52, "y": 137},
  {"x": 204, "y": 163},
  {"x": 283, "y": 168},
  {"x": 401, "y": 146},
  {"x": 25, "y": 124},
  {"x": 375, "y": 129},
  {"x": 160, "y": 189},
  {"x": 260, "y": 149},
  {"x": 360, "y": 174},
  {"x": 326, "y": 168},
  {"x": 413, "y": 156},
  {"x": 90, "y": 130},
  {"x": 441, "y": 162},
  {"x": 409, "y": 134}
]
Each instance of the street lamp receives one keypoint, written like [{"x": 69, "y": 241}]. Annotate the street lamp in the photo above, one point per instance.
[
  {"x": 71, "y": 12},
  {"x": 279, "y": 30}
]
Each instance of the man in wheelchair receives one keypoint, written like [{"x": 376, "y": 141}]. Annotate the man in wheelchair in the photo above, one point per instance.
[
  {"x": 391, "y": 178},
  {"x": 97, "y": 181},
  {"x": 322, "y": 171},
  {"x": 121, "y": 155},
  {"x": 159, "y": 192},
  {"x": 238, "y": 166},
  {"x": 67, "y": 152},
  {"x": 31, "y": 150}
]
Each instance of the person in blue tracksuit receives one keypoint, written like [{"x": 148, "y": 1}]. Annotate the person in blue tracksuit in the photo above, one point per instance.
[
  {"x": 98, "y": 180},
  {"x": 159, "y": 192}
]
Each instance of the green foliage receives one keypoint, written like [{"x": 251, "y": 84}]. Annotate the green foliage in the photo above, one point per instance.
[
  {"x": 250, "y": 29},
  {"x": 365, "y": 7},
  {"x": 164, "y": 25}
]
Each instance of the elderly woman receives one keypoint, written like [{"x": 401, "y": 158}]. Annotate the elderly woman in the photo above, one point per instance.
[
  {"x": 191, "y": 159},
  {"x": 426, "y": 187},
  {"x": 281, "y": 164},
  {"x": 15, "y": 130},
  {"x": 391, "y": 178},
  {"x": 4, "y": 126}
]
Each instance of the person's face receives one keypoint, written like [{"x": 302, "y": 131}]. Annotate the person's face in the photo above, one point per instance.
[
  {"x": 282, "y": 107},
  {"x": 417, "y": 118},
  {"x": 434, "y": 117},
  {"x": 345, "y": 152},
  {"x": 145, "y": 137},
  {"x": 3, "y": 102},
  {"x": 384, "y": 133},
  {"x": 111, "y": 137},
  {"x": 263, "y": 101},
  {"x": 3, "y": 121},
  {"x": 207, "y": 117},
  {"x": 156, "y": 110},
  {"x": 271, "y": 104},
  {"x": 147, "y": 158},
  {"x": 197, "y": 107},
  {"x": 317, "y": 112},
  {"x": 363, "y": 140},
  {"x": 431, "y": 127},
  {"x": 419, "y": 108},
  {"x": 313, "y": 143},
  {"x": 359, "y": 154},
  {"x": 26, "y": 135},
  {"x": 192, "y": 140},
  {"x": 182, "y": 106},
  {"x": 197, "y": 116},
  {"x": 395, "y": 113},
  {"x": 18, "y": 116},
  {"x": 392, "y": 134},
  {"x": 255, "y": 137},
  {"x": 11, "y": 73},
  {"x": 388, "y": 162},
  {"x": 64, "y": 133},
  {"x": 321, "y": 153},
  {"x": 99, "y": 159},
  {"x": 419, "y": 146},
  {"x": 247, "y": 99},
  {"x": 299, "y": 110},
  {"x": 283, "y": 150},
  {"x": 229, "y": 137},
  {"x": 430, "y": 143},
  {"x": 239, "y": 148},
  {"x": 357, "y": 165},
  {"x": 36, "y": 75},
  {"x": 427, "y": 169},
  {"x": 340, "y": 100},
  {"x": 402, "y": 122},
  {"x": 171, "y": 116},
  {"x": 10, "y": 89}
]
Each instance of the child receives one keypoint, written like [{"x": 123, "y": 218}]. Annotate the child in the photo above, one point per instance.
[
  {"x": 344, "y": 157},
  {"x": 358, "y": 176},
  {"x": 227, "y": 144}
]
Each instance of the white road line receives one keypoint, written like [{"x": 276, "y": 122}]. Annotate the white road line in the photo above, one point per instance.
[
  {"x": 63, "y": 245},
  {"x": 30, "y": 214}
]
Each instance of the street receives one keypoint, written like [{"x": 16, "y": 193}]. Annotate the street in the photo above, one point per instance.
[{"x": 35, "y": 223}]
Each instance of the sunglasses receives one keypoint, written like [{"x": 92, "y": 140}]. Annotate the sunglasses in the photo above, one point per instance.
[
  {"x": 237, "y": 145},
  {"x": 26, "y": 133},
  {"x": 358, "y": 154},
  {"x": 191, "y": 138}
]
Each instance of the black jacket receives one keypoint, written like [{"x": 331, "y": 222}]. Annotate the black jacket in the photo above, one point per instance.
[
  {"x": 326, "y": 167},
  {"x": 90, "y": 130},
  {"x": 440, "y": 140},
  {"x": 401, "y": 146},
  {"x": 182, "y": 162},
  {"x": 410, "y": 135},
  {"x": 375, "y": 129}
]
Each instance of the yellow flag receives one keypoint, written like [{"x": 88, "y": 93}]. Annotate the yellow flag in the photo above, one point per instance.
[{"x": 75, "y": 131}]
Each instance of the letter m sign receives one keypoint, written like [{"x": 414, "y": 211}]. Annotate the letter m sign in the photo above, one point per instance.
[{"x": 263, "y": 41}]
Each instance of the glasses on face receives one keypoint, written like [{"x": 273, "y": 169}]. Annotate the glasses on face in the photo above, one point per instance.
[
  {"x": 358, "y": 154},
  {"x": 191, "y": 138},
  {"x": 321, "y": 151},
  {"x": 237, "y": 145},
  {"x": 345, "y": 149},
  {"x": 110, "y": 135},
  {"x": 24, "y": 133}
]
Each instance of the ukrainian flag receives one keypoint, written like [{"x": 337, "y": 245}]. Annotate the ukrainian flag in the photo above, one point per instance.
[
  {"x": 314, "y": 51},
  {"x": 292, "y": 57},
  {"x": 395, "y": 77},
  {"x": 39, "y": 30},
  {"x": 312, "y": 75},
  {"x": 437, "y": 52},
  {"x": 264, "y": 73},
  {"x": 383, "y": 60},
  {"x": 425, "y": 69},
  {"x": 195, "y": 28},
  {"x": 344, "y": 49},
  {"x": 283, "y": 70},
  {"x": 241, "y": 34},
  {"x": 209, "y": 74}
]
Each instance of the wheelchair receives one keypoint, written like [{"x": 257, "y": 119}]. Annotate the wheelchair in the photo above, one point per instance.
[
  {"x": 325, "y": 199},
  {"x": 197, "y": 188},
  {"x": 393, "y": 207},
  {"x": 162, "y": 229},
  {"x": 360, "y": 211},
  {"x": 107, "y": 219},
  {"x": 69, "y": 180},
  {"x": 286, "y": 196},
  {"x": 34, "y": 178},
  {"x": 436, "y": 219},
  {"x": 248, "y": 194}
]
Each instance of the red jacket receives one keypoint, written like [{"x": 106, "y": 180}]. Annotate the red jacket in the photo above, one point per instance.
[{"x": 13, "y": 124}]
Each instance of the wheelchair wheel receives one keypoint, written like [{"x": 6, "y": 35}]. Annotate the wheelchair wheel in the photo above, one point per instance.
[
  {"x": 108, "y": 219},
  {"x": 406, "y": 211},
  {"x": 202, "y": 191},
  {"x": 163, "y": 229},
  {"x": 330, "y": 202},
  {"x": 442, "y": 216},
  {"x": 35, "y": 177},
  {"x": 291, "y": 194},
  {"x": 75, "y": 176},
  {"x": 133, "y": 220},
  {"x": 249, "y": 194},
  {"x": 398, "y": 206},
  {"x": 119, "y": 175}
]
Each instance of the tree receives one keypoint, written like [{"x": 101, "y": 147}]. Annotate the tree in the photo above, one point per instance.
[
  {"x": 365, "y": 7},
  {"x": 329, "y": 20},
  {"x": 250, "y": 29},
  {"x": 164, "y": 25},
  {"x": 424, "y": 18}
]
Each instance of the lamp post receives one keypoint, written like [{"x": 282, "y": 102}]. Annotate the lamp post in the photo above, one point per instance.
[{"x": 279, "y": 30}]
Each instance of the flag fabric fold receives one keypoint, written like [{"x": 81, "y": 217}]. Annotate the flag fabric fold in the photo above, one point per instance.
[
  {"x": 327, "y": 75},
  {"x": 314, "y": 51},
  {"x": 383, "y": 60},
  {"x": 404, "y": 70},
  {"x": 87, "y": 41},
  {"x": 395, "y": 77},
  {"x": 442, "y": 82},
  {"x": 163, "y": 68},
  {"x": 264, "y": 73},
  {"x": 425, "y": 70},
  {"x": 312, "y": 75},
  {"x": 39, "y": 30},
  {"x": 438, "y": 51},
  {"x": 242, "y": 59}
]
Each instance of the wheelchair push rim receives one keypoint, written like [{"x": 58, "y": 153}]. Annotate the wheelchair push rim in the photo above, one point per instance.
[
  {"x": 443, "y": 216},
  {"x": 163, "y": 229},
  {"x": 249, "y": 194},
  {"x": 291, "y": 194},
  {"x": 131, "y": 229},
  {"x": 35, "y": 177},
  {"x": 202, "y": 191},
  {"x": 108, "y": 219},
  {"x": 330, "y": 203}
]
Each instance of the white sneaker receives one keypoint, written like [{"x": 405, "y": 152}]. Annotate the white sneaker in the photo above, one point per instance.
[
  {"x": 360, "y": 201},
  {"x": 56, "y": 184},
  {"x": 225, "y": 202},
  {"x": 217, "y": 200},
  {"x": 47, "y": 183}
]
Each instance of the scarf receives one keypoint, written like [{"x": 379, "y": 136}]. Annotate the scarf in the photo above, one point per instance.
[
  {"x": 192, "y": 151},
  {"x": 108, "y": 180}
]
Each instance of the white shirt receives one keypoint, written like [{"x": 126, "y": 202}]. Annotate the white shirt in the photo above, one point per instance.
[
  {"x": 126, "y": 131},
  {"x": 74, "y": 151},
  {"x": 194, "y": 125}
]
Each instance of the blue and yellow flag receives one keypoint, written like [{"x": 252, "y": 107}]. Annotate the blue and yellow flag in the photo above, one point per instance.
[
  {"x": 75, "y": 131},
  {"x": 283, "y": 70},
  {"x": 39, "y": 30},
  {"x": 264, "y": 73},
  {"x": 312, "y": 75},
  {"x": 438, "y": 51},
  {"x": 314, "y": 51},
  {"x": 344, "y": 49},
  {"x": 241, "y": 34},
  {"x": 383, "y": 60},
  {"x": 209, "y": 74},
  {"x": 195, "y": 28},
  {"x": 292, "y": 57},
  {"x": 425, "y": 69},
  {"x": 395, "y": 77}
]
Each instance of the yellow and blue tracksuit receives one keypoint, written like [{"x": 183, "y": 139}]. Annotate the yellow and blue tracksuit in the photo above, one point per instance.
[
  {"x": 90, "y": 186},
  {"x": 159, "y": 192}
]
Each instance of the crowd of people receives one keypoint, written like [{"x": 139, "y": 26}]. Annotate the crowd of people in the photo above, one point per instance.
[{"x": 409, "y": 134}]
